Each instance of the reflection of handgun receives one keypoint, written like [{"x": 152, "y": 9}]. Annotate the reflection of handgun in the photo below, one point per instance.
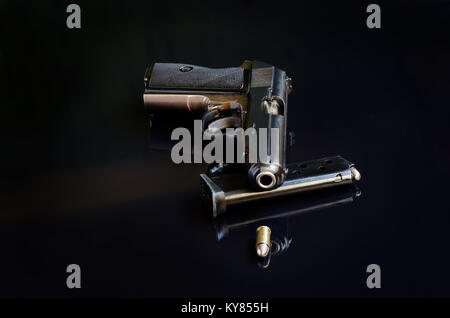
[
  {"x": 274, "y": 211},
  {"x": 252, "y": 95},
  {"x": 276, "y": 215}
]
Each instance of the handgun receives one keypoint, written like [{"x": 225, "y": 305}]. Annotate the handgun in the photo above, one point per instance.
[{"x": 251, "y": 96}]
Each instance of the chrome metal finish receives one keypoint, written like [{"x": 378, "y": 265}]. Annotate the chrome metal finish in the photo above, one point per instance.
[
  {"x": 220, "y": 116},
  {"x": 268, "y": 109},
  {"x": 271, "y": 212},
  {"x": 289, "y": 84},
  {"x": 218, "y": 125},
  {"x": 260, "y": 172},
  {"x": 186, "y": 68},
  {"x": 271, "y": 107},
  {"x": 266, "y": 180},
  {"x": 225, "y": 190}
]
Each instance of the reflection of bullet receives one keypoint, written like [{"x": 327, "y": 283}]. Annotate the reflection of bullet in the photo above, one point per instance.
[{"x": 262, "y": 241}]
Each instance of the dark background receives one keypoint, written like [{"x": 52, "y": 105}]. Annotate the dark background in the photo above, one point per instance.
[{"x": 80, "y": 185}]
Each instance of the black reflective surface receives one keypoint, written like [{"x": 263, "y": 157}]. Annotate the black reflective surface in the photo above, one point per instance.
[{"x": 80, "y": 185}]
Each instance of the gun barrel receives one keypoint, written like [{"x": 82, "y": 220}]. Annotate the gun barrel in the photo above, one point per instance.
[{"x": 269, "y": 89}]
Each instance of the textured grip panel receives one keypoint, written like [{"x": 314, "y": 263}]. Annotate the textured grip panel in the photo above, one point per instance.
[{"x": 191, "y": 77}]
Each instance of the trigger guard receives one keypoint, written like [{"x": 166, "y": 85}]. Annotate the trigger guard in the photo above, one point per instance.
[
  {"x": 209, "y": 117},
  {"x": 222, "y": 123}
]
